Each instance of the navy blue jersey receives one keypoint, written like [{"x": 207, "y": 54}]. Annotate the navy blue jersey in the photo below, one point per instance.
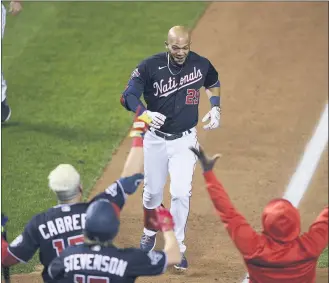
[
  {"x": 173, "y": 90},
  {"x": 90, "y": 264},
  {"x": 56, "y": 229}
]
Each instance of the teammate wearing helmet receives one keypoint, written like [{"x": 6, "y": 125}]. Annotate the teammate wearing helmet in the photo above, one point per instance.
[
  {"x": 61, "y": 226},
  {"x": 98, "y": 260}
]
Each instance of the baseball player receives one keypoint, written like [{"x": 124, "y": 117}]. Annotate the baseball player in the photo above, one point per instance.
[
  {"x": 61, "y": 226},
  {"x": 279, "y": 253},
  {"x": 15, "y": 8},
  {"x": 171, "y": 83},
  {"x": 98, "y": 260}
]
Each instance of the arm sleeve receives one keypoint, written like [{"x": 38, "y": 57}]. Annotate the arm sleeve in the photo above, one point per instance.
[
  {"x": 147, "y": 263},
  {"x": 56, "y": 269},
  {"x": 130, "y": 97},
  {"x": 316, "y": 239},
  {"x": 242, "y": 234},
  {"x": 114, "y": 193},
  {"x": 6, "y": 258},
  {"x": 211, "y": 79},
  {"x": 25, "y": 245}
]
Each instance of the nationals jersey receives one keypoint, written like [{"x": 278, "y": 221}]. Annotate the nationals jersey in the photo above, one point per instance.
[
  {"x": 56, "y": 229},
  {"x": 91, "y": 264},
  {"x": 171, "y": 89}
]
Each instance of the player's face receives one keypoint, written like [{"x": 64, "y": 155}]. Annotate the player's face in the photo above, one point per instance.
[{"x": 178, "y": 51}]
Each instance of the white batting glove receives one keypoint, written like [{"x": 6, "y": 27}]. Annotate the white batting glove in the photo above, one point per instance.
[
  {"x": 214, "y": 116},
  {"x": 157, "y": 119}
]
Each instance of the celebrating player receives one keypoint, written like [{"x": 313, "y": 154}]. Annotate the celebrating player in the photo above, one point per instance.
[
  {"x": 171, "y": 83},
  {"x": 98, "y": 260},
  {"x": 61, "y": 226},
  {"x": 15, "y": 8},
  {"x": 279, "y": 253}
]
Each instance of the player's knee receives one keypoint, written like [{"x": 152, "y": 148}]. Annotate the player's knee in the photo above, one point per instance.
[
  {"x": 151, "y": 201},
  {"x": 181, "y": 201},
  {"x": 181, "y": 192}
]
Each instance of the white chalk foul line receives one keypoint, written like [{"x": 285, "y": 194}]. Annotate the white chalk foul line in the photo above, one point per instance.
[{"x": 305, "y": 170}]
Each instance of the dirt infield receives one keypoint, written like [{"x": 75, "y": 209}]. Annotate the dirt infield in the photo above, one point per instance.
[{"x": 273, "y": 65}]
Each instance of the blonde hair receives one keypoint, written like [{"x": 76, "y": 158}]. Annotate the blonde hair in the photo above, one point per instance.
[{"x": 64, "y": 180}]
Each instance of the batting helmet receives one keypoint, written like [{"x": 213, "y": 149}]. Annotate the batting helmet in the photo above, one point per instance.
[{"x": 102, "y": 223}]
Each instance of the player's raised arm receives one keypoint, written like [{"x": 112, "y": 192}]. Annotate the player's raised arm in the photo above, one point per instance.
[
  {"x": 101, "y": 227},
  {"x": 156, "y": 262},
  {"x": 132, "y": 174},
  {"x": 166, "y": 225},
  {"x": 242, "y": 234},
  {"x": 316, "y": 239},
  {"x": 135, "y": 160}
]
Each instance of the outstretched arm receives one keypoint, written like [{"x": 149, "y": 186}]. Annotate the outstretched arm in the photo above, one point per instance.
[
  {"x": 244, "y": 237},
  {"x": 316, "y": 239},
  {"x": 155, "y": 262},
  {"x": 135, "y": 161},
  {"x": 131, "y": 176}
]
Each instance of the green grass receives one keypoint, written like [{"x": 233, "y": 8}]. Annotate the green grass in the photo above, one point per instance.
[
  {"x": 323, "y": 260},
  {"x": 66, "y": 64}
]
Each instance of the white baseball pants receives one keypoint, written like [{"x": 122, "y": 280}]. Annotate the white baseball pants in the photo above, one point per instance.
[{"x": 174, "y": 157}]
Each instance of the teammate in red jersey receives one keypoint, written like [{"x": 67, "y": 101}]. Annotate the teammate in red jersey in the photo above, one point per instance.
[{"x": 280, "y": 253}]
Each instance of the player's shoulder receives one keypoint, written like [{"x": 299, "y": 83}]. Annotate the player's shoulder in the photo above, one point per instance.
[
  {"x": 155, "y": 58},
  {"x": 139, "y": 252},
  {"x": 193, "y": 56},
  {"x": 139, "y": 256},
  {"x": 129, "y": 250},
  {"x": 61, "y": 210},
  {"x": 75, "y": 249},
  {"x": 40, "y": 217}
]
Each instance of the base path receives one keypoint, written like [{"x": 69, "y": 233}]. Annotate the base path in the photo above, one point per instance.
[{"x": 273, "y": 64}]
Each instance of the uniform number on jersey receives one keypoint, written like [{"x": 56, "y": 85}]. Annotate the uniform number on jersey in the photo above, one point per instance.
[
  {"x": 59, "y": 245},
  {"x": 79, "y": 278},
  {"x": 192, "y": 97}
]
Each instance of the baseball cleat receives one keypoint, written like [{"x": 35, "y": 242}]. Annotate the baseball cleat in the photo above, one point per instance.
[
  {"x": 147, "y": 243},
  {"x": 183, "y": 265}
]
